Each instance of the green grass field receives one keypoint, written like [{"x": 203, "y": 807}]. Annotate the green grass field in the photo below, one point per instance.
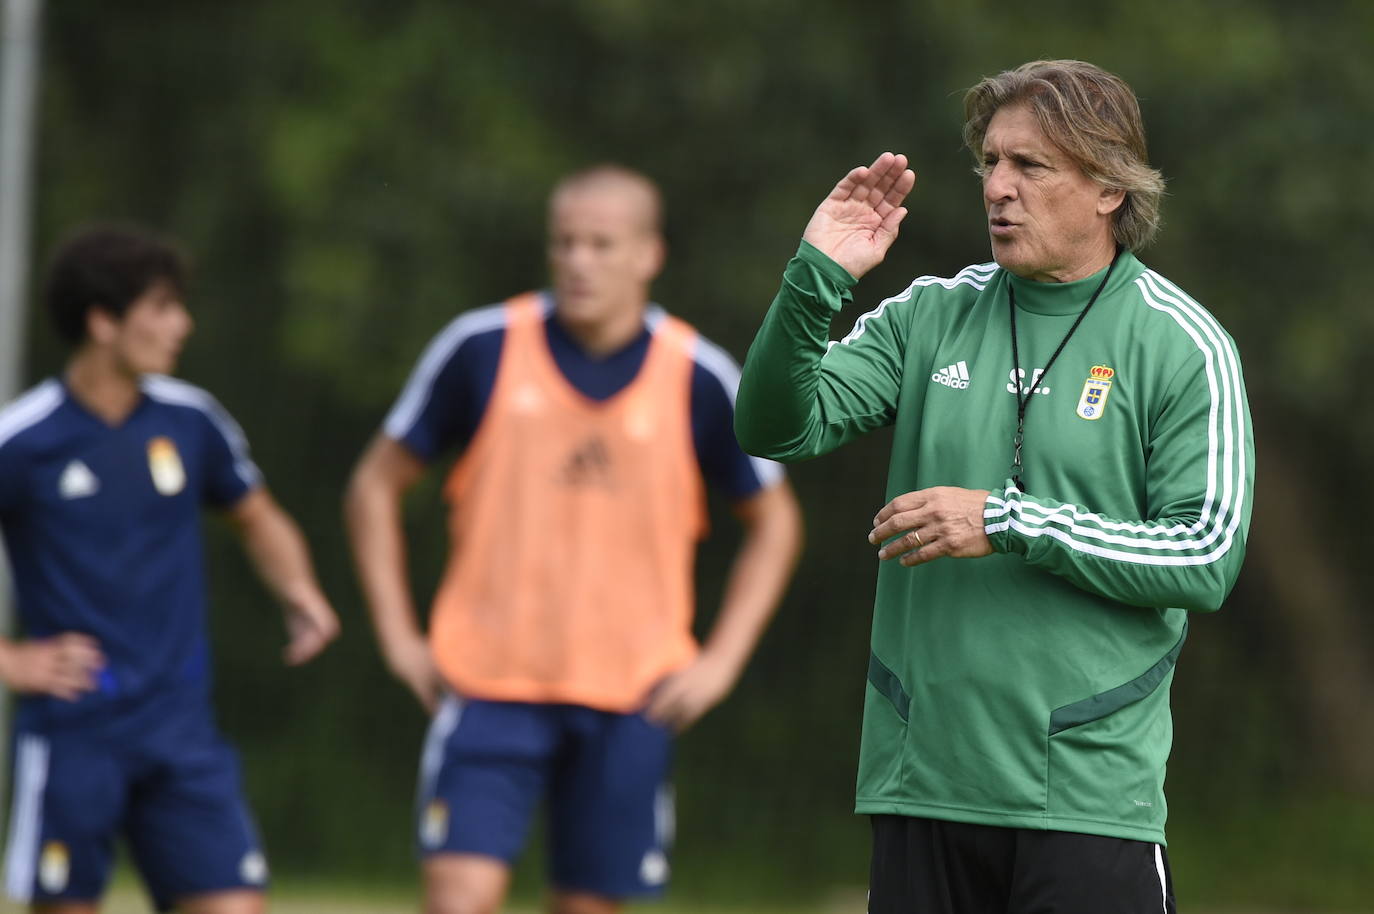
[{"x": 126, "y": 899}]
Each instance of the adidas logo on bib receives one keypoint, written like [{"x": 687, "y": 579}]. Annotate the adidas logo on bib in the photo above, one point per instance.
[{"x": 955, "y": 376}]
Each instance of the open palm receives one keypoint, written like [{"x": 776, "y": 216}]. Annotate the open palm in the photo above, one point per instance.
[{"x": 856, "y": 224}]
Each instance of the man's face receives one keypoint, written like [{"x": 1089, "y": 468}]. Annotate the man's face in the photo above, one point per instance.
[
  {"x": 1048, "y": 221},
  {"x": 603, "y": 252},
  {"x": 149, "y": 337}
]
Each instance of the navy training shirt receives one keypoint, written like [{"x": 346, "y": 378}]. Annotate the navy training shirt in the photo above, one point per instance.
[
  {"x": 442, "y": 403},
  {"x": 102, "y": 527}
]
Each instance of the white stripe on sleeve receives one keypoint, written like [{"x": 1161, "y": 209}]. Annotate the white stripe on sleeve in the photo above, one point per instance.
[
  {"x": 171, "y": 390},
  {"x": 30, "y": 409},
  {"x": 420, "y": 386},
  {"x": 976, "y": 276},
  {"x": 1226, "y": 483},
  {"x": 723, "y": 368}
]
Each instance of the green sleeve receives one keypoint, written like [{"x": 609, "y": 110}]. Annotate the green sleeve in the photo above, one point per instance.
[
  {"x": 801, "y": 395},
  {"x": 1200, "y": 478}
]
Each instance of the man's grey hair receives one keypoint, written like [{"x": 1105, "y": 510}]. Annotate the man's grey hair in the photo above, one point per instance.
[{"x": 1090, "y": 114}]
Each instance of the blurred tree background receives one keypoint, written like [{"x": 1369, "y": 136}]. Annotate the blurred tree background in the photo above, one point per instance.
[{"x": 350, "y": 175}]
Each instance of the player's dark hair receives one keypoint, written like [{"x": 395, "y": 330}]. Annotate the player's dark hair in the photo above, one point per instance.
[{"x": 107, "y": 267}]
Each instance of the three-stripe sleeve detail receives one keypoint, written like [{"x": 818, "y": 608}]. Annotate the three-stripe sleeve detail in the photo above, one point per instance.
[{"x": 976, "y": 276}]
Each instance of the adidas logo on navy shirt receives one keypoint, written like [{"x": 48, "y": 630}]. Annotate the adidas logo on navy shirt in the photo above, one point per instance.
[
  {"x": 955, "y": 376},
  {"x": 77, "y": 481}
]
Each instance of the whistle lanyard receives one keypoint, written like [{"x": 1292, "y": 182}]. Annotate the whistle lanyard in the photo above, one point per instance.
[{"x": 1023, "y": 399}]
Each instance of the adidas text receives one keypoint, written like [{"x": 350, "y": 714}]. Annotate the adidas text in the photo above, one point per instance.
[{"x": 955, "y": 376}]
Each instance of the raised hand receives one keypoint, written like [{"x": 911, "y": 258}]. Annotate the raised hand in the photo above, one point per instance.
[{"x": 856, "y": 224}]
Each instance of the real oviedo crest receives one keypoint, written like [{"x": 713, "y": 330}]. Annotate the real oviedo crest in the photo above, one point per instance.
[
  {"x": 1095, "y": 391},
  {"x": 164, "y": 463}
]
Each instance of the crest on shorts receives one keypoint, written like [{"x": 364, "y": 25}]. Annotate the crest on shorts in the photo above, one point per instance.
[
  {"x": 54, "y": 867},
  {"x": 653, "y": 869},
  {"x": 253, "y": 868},
  {"x": 164, "y": 463},
  {"x": 1095, "y": 390},
  {"x": 434, "y": 824}
]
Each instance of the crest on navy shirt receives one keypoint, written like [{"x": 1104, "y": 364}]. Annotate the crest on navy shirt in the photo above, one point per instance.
[
  {"x": 164, "y": 463},
  {"x": 1095, "y": 390}
]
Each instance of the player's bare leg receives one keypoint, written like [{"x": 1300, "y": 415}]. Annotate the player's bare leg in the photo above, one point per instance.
[
  {"x": 464, "y": 884},
  {"x": 583, "y": 903},
  {"x": 237, "y": 901}
]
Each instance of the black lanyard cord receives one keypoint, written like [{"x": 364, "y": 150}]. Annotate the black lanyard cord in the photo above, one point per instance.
[{"x": 1023, "y": 400}]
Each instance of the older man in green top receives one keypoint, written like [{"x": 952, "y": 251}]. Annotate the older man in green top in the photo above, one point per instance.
[{"x": 1074, "y": 423}]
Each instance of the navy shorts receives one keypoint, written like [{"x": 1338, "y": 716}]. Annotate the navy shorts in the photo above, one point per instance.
[
  {"x": 163, "y": 779},
  {"x": 488, "y": 764}
]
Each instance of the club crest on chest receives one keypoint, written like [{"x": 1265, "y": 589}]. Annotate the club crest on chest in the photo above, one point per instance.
[{"x": 1093, "y": 401}]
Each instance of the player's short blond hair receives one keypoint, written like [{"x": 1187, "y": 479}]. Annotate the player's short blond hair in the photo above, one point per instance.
[
  {"x": 1093, "y": 116},
  {"x": 616, "y": 177}
]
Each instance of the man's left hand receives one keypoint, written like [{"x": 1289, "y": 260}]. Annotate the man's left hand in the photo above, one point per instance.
[
  {"x": 683, "y": 697},
  {"x": 310, "y": 626},
  {"x": 932, "y": 523}
]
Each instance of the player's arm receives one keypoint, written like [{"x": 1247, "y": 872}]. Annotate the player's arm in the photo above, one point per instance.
[
  {"x": 758, "y": 577},
  {"x": 279, "y": 553},
  {"x": 373, "y": 516}
]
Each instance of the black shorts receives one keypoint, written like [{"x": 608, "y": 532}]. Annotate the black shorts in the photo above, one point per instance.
[{"x": 926, "y": 866}]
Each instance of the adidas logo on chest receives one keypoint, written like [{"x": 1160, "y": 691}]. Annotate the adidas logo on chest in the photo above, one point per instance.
[
  {"x": 955, "y": 375},
  {"x": 77, "y": 481}
]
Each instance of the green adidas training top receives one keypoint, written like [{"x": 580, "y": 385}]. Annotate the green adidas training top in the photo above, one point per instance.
[{"x": 1029, "y": 688}]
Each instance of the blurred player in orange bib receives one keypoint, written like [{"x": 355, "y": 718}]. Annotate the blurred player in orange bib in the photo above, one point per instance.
[{"x": 560, "y": 657}]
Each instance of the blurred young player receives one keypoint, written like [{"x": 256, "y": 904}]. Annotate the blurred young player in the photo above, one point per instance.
[
  {"x": 103, "y": 473},
  {"x": 585, "y": 420}
]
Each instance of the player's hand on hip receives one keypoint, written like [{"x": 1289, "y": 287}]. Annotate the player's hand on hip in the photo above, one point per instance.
[
  {"x": 65, "y": 665},
  {"x": 310, "y": 627},
  {"x": 856, "y": 224},
  {"x": 410, "y": 661},
  {"x": 932, "y": 523},
  {"x": 683, "y": 697}
]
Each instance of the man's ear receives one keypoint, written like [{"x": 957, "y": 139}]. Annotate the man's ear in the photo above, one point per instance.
[
  {"x": 1110, "y": 200},
  {"x": 101, "y": 325},
  {"x": 655, "y": 255}
]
